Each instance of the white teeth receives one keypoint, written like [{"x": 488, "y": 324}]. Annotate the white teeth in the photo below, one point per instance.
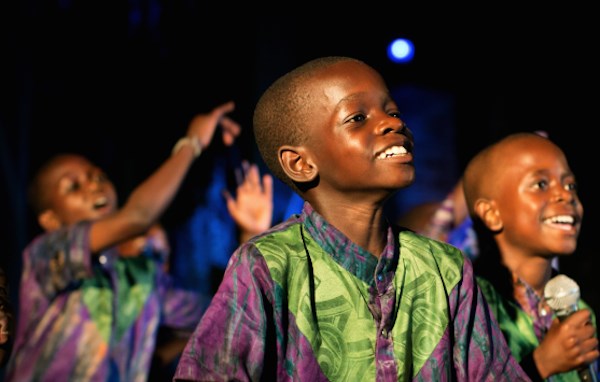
[
  {"x": 393, "y": 151},
  {"x": 100, "y": 202},
  {"x": 561, "y": 219}
]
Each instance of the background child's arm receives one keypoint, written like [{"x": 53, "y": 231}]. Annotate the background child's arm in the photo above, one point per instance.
[{"x": 149, "y": 200}]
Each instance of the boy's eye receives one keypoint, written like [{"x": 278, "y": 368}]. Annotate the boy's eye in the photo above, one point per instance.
[
  {"x": 541, "y": 184},
  {"x": 571, "y": 186},
  {"x": 73, "y": 186},
  {"x": 395, "y": 114},
  {"x": 357, "y": 118},
  {"x": 99, "y": 178}
]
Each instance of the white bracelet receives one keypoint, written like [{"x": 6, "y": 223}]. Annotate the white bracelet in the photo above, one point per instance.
[{"x": 193, "y": 141}]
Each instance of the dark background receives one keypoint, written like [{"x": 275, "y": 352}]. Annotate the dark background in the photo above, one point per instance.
[{"x": 119, "y": 81}]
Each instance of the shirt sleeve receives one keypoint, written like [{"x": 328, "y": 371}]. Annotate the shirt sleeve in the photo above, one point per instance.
[
  {"x": 56, "y": 260},
  {"x": 480, "y": 350},
  {"x": 181, "y": 308},
  {"x": 230, "y": 341}
]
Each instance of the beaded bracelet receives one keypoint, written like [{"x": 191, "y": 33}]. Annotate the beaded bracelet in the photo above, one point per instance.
[{"x": 193, "y": 141}]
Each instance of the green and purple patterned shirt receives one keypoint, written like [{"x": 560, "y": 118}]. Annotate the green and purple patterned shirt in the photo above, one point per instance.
[
  {"x": 87, "y": 318},
  {"x": 524, "y": 321},
  {"x": 301, "y": 302}
]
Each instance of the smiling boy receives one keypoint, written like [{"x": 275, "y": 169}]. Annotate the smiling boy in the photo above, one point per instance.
[{"x": 338, "y": 292}]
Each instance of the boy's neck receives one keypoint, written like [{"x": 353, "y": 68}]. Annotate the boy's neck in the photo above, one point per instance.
[
  {"x": 534, "y": 270},
  {"x": 365, "y": 226}
]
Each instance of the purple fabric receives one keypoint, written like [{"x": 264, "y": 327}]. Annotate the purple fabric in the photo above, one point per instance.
[
  {"x": 63, "y": 331},
  {"x": 250, "y": 332}
]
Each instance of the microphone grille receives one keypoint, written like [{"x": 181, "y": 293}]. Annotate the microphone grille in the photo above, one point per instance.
[{"x": 561, "y": 292}]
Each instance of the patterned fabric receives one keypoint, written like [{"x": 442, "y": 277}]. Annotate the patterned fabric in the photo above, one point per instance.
[
  {"x": 302, "y": 302},
  {"x": 86, "y": 318},
  {"x": 441, "y": 227},
  {"x": 525, "y": 323}
]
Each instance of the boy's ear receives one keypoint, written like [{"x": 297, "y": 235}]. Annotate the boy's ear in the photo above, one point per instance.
[
  {"x": 49, "y": 221},
  {"x": 296, "y": 163},
  {"x": 488, "y": 213}
]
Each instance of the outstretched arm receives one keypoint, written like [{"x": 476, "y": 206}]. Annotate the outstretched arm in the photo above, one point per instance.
[{"x": 150, "y": 199}]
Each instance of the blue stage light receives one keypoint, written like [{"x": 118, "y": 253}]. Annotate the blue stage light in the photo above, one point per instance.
[{"x": 401, "y": 50}]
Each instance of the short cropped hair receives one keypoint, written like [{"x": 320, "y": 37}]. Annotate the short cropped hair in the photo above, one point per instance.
[
  {"x": 482, "y": 172},
  {"x": 279, "y": 114},
  {"x": 38, "y": 194}
]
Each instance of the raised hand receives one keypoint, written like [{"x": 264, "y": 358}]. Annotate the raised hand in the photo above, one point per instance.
[
  {"x": 203, "y": 126},
  {"x": 252, "y": 208}
]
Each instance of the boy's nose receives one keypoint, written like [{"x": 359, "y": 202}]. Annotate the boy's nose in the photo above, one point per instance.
[
  {"x": 561, "y": 194},
  {"x": 392, "y": 125},
  {"x": 94, "y": 183}
]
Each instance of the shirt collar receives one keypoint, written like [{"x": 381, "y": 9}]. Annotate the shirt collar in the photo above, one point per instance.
[{"x": 346, "y": 253}]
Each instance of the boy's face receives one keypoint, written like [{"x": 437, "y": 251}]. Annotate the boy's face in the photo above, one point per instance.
[
  {"x": 357, "y": 139},
  {"x": 537, "y": 199},
  {"x": 78, "y": 191}
]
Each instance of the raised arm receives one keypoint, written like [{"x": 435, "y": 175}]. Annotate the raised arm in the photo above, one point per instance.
[{"x": 150, "y": 199}]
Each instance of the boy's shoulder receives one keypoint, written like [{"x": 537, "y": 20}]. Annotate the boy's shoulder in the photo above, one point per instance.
[
  {"x": 71, "y": 237},
  {"x": 283, "y": 234},
  {"x": 430, "y": 252},
  {"x": 419, "y": 241}
]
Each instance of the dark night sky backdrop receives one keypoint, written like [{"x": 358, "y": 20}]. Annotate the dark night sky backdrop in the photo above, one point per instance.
[{"x": 119, "y": 81}]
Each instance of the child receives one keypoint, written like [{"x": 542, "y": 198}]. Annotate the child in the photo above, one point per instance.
[
  {"x": 90, "y": 300},
  {"x": 522, "y": 198},
  {"x": 338, "y": 293}
]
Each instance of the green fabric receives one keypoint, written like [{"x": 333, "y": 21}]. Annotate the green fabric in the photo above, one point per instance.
[
  {"x": 135, "y": 282},
  {"x": 519, "y": 332},
  {"x": 98, "y": 298},
  {"x": 343, "y": 335}
]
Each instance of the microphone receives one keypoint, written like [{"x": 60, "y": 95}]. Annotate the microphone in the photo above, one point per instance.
[{"x": 562, "y": 294}]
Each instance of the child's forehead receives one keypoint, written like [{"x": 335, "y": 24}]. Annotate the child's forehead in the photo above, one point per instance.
[
  {"x": 346, "y": 80},
  {"x": 68, "y": 164},
  {"x": 528, "y": 157},
  {"x": 529, "y": 148},
  {"x": 349, "y": 71}
]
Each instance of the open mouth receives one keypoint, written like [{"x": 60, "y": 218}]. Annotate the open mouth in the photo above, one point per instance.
[
  {"x": 101, "y": 202},
  {"x": 393, "y": 152}
]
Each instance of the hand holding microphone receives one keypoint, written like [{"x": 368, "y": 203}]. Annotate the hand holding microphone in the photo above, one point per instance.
[{"x": 570, "y": 343}]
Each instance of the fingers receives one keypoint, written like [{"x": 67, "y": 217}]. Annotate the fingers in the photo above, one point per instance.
[
  {"x": 252, "y": 174},
  {"x": 582, "y": 343},
  {"x": 204, "y": 125},
  {"x": 223, "y": 108},
  {"x": 267, "y": 181},
  {"x": 231, "y": 130},
  {"x": 580, "y": 317},
  {"x": 248, "y": 176},
  {"x": 231, "y": 204}
]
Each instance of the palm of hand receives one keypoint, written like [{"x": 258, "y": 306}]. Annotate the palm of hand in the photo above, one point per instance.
[{"x": 252, "y": 209}]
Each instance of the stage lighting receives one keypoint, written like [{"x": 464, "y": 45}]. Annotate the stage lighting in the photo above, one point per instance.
[{"x": 401, "y": 51}]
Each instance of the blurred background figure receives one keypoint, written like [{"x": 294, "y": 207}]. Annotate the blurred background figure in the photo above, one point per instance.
[
  {"x": 94, "y": 286},
  {"x": 6, "y": 321}
]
